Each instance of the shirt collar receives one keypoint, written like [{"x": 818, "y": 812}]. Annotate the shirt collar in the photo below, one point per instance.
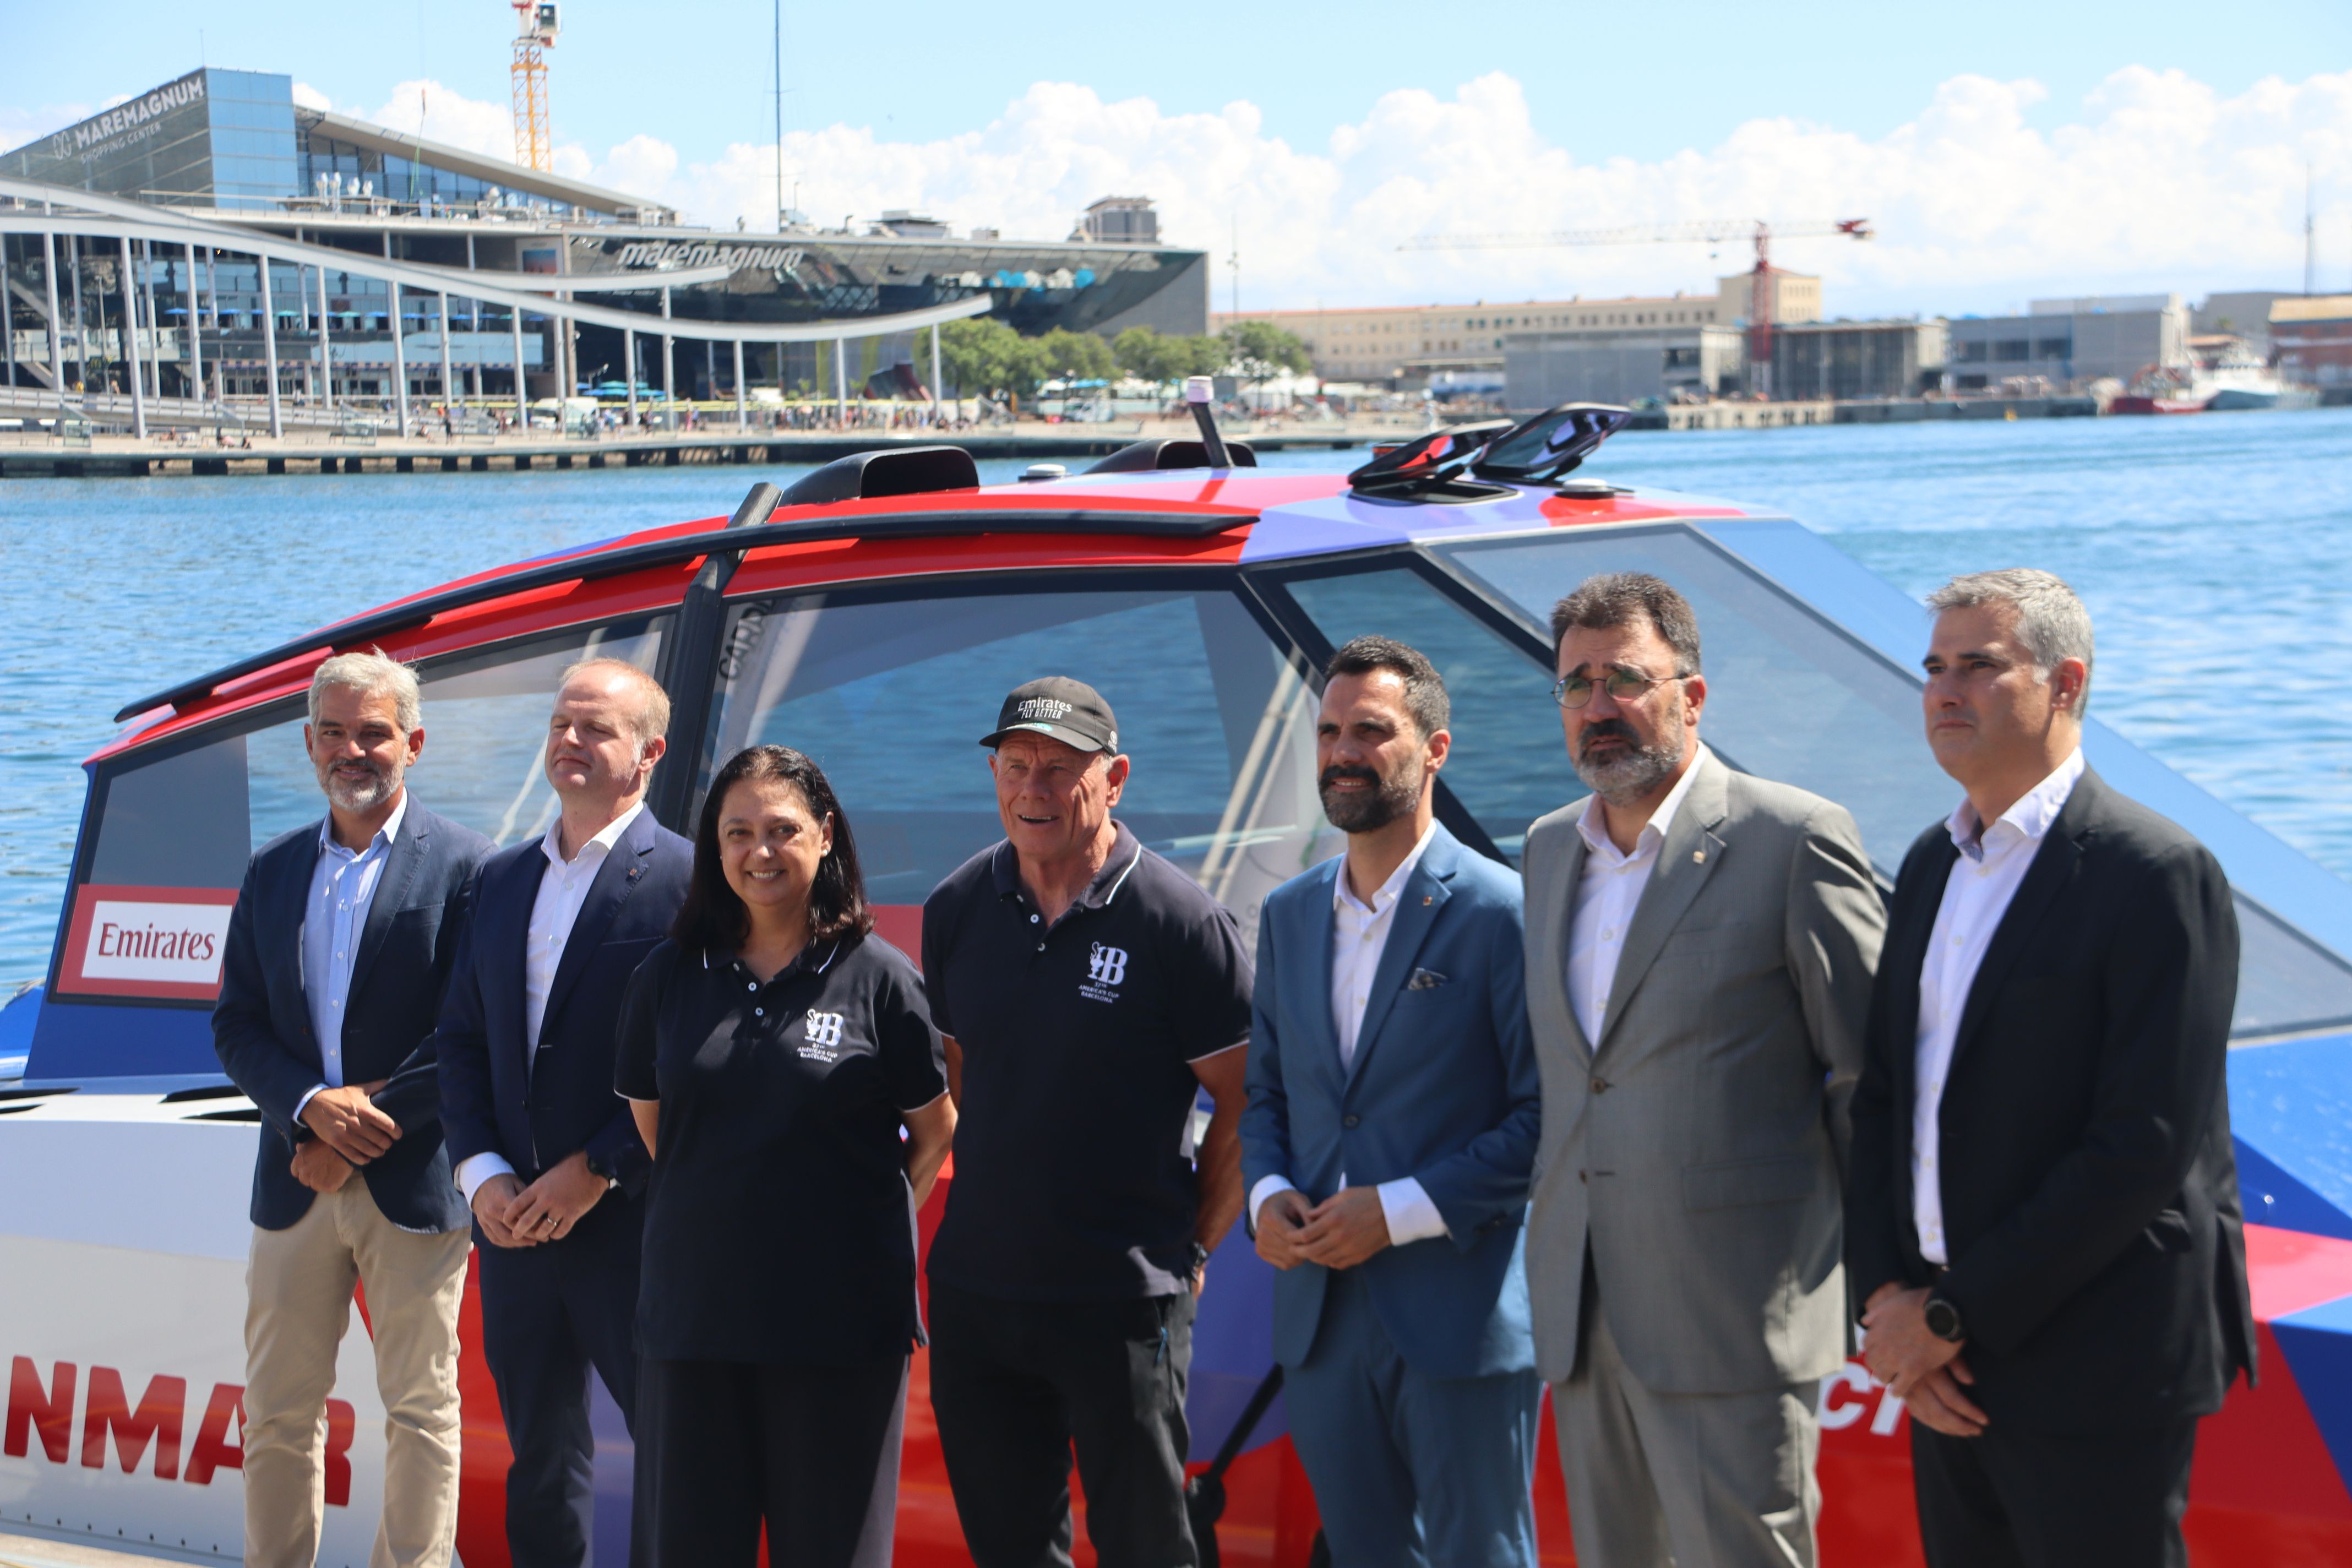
[
  {"x": 813, "y": 957},
  {"x": 2029, "y": 820},
  {"x": 384, "y": 836},
  {"x": 1342, "y": 896},
  {"x": 551, "y": 841},
  {"x": 1595, "y": 828},
  {"x": 1126, "y": 851}
]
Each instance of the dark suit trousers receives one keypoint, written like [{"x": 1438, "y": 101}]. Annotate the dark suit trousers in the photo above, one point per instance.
[
  {"x": 1017, "y": 1386},
  {"x": 2032, "y": 1499},
  {"x": 550, "y": 1313}
]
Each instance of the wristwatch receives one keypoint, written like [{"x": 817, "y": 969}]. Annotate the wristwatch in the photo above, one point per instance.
[
  {"x": 1944, "y": 1320},
  {"x": 1197, "y": 1259},
  {"x": 597, "y": 1168}
]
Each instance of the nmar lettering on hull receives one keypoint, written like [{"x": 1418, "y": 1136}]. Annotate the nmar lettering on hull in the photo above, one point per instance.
[{"x": 160, "y": 1419}]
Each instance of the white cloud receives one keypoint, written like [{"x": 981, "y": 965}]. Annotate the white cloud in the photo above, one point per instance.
[
  {"x": 309, "y": 97},
  {"x": 2156, "y": 180},
  {"x": 2158, "y": 183}
]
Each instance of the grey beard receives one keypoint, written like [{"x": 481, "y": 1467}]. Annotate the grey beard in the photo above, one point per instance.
[
  {"x": 361, "y": 797},
  {"x": 1633, "y": 775}
]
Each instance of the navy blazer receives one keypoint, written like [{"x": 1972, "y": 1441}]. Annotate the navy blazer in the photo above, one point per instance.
[
  {"x": 1443, "y": 1087},
  {"x": 2089, "y": 1179},
  {"x": 261, "y": 1024},
  {"x": 492, "y": 1099}
]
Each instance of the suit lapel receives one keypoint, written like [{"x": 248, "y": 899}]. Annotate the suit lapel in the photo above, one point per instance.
[
  {"x": 1686, "y": 860},
  {"x": 400, "y": 868},
  {"x": 1321, "y": 929},
  {"x": 1423, "y": 895},
  {"x": 1558, "y": 910},
  {"x": 2052, "y": 868},
  {"x": 616, "y": 878}
]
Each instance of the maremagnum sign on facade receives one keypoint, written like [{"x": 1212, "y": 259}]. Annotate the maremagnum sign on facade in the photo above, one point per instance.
[{"x": 120, "y": 126}]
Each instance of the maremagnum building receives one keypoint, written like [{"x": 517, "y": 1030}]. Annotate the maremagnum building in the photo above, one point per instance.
[{"x": 173, "y": 202}]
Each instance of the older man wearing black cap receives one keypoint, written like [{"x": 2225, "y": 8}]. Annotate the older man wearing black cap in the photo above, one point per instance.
[{"x": 1089, "y": 990}]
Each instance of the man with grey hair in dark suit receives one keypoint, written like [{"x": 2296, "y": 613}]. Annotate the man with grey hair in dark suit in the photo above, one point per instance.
[
  {"x": 1699, "y": 951},
  {"x": 339, "y": 947},
  {"x": 2043, "y": 1227}
]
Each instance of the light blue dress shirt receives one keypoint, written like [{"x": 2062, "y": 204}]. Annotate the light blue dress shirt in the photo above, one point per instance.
[{"x": 342, "y": 889}]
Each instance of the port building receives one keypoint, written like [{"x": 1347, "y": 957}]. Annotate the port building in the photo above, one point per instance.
[
  {"x": 215, "y": 228},
  {"x": 1406, "y": 347},
  {"x": 2313, "y": 335},
  {"x": 2064, "y": 341}
]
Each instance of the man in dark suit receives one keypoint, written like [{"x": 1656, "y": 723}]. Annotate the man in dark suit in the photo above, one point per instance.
[
  {"x": 546, "y": 1154},
  {"x": 2042, "y": 1216},
  {"x": 338, "y": 950},
  {"x": 1394, "y": 1104}
]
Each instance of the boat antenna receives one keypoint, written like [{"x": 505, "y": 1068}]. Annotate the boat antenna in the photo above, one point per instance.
[{"x": 1199, "y": 393}]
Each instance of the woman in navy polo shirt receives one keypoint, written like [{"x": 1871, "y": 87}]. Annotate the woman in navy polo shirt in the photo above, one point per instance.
[{"x": 772, "y": 1050}]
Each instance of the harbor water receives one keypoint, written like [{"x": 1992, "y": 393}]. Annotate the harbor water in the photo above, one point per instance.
[{"x": 2215, "y": 554}]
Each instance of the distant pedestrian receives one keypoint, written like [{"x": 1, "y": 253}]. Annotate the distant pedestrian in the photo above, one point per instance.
[{"x": 2042, "y": 1216}]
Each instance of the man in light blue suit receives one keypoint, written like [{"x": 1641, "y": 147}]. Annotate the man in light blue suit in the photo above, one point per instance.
[{"x": 1395, "y": 1109}]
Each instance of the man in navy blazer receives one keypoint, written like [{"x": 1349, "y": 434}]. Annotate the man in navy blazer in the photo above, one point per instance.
[
  {"x": 338, "y": 948},
  {"x": 1393, "y": 1112},
  {"x": 546, "y": 1154}
]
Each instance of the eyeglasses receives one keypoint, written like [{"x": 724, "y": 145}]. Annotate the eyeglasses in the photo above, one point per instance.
[{"x": 1624, "y": 686}]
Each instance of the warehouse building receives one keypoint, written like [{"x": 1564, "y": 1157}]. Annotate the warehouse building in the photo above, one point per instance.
[
  {"x": 2070, "y": 342},
  {"x": 1859, "y": 358}
]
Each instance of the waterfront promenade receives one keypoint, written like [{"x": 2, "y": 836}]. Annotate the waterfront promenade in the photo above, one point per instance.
[{"x": 361, "y": 447}]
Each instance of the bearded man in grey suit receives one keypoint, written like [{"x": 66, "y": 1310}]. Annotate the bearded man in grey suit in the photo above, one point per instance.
[{"x": 1700, "y": 946}]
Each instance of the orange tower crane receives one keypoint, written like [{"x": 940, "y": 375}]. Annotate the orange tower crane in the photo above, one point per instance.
[
  {"x": 536, "y": 25},
  {"x": 1710, "y": 231}
]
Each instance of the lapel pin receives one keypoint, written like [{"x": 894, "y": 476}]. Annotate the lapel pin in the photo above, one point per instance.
[
  {"x": 1427, "y": 899},
  {"x": 1698, "y": 857}
]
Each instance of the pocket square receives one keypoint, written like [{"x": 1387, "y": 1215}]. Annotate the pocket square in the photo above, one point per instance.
[{"x": 1425, "y": 980}]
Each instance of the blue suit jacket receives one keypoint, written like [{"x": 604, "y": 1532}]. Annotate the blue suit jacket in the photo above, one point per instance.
[
  {"x": 261, "y": 1024},
  {"x": 1443, "y": 1087},
  {"x": 492, "y": 1100}
]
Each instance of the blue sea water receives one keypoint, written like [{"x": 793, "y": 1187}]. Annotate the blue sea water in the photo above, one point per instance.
[{"x": 2215, "y": 554}]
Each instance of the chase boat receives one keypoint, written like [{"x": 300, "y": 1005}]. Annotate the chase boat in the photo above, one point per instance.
[{"x": 1201, "y": 595}]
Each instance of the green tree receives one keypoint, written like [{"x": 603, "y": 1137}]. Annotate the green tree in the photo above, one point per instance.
[
  {"x": 982, "y": 355},
  {"x": 1075, "y": 356},
  {"x": 1260, "y": 351}
]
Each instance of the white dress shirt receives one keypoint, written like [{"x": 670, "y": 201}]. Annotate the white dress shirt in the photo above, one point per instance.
[
  {"x": 1993, "y": 861},
  {"x": 342, "y": 891},
  {"x": 563, "y": 889},
  {"x": 1608, "y": 894},
  {"x": 1359, "y": 934}
]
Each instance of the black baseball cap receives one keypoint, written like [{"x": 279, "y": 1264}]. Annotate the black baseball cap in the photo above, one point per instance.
[{"x": 1060, "y": 709}]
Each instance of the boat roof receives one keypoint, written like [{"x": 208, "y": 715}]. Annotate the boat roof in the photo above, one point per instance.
[{"x": 1162, "y": 518}]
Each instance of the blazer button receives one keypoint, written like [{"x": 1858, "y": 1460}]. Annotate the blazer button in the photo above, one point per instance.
[
  {"x": 1350, "y": 1120},
  {"x": 1601, "y": 1086},
  {"x": 1584, "y": 1177}
]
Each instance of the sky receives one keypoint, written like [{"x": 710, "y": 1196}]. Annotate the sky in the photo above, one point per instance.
[{"x": 2004, "y": 151}]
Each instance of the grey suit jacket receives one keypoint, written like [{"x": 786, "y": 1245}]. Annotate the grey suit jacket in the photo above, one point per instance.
[{"x": 1698, "y": 1147}]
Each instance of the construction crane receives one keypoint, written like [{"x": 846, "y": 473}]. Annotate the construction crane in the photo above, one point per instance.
[
  {"x": 536, "y": 26},
  {"x": 1711, "y": 231}
]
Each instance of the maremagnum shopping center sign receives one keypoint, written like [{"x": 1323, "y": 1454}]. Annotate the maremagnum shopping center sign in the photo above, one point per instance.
[{"x": 126, "y": 123}]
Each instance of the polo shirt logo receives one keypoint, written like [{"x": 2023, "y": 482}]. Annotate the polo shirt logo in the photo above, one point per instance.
[
  {"x": 1106, "y": 972},
  {"x": 821, "y": 1037}
]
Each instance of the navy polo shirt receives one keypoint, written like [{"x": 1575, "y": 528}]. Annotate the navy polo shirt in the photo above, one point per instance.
[
  {"x": 1072, "y": 1180},
  {"x": 779, "y": 1225}
]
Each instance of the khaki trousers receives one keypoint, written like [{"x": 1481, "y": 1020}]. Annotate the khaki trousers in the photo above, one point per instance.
[{"x": 298, "y": 1306}]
